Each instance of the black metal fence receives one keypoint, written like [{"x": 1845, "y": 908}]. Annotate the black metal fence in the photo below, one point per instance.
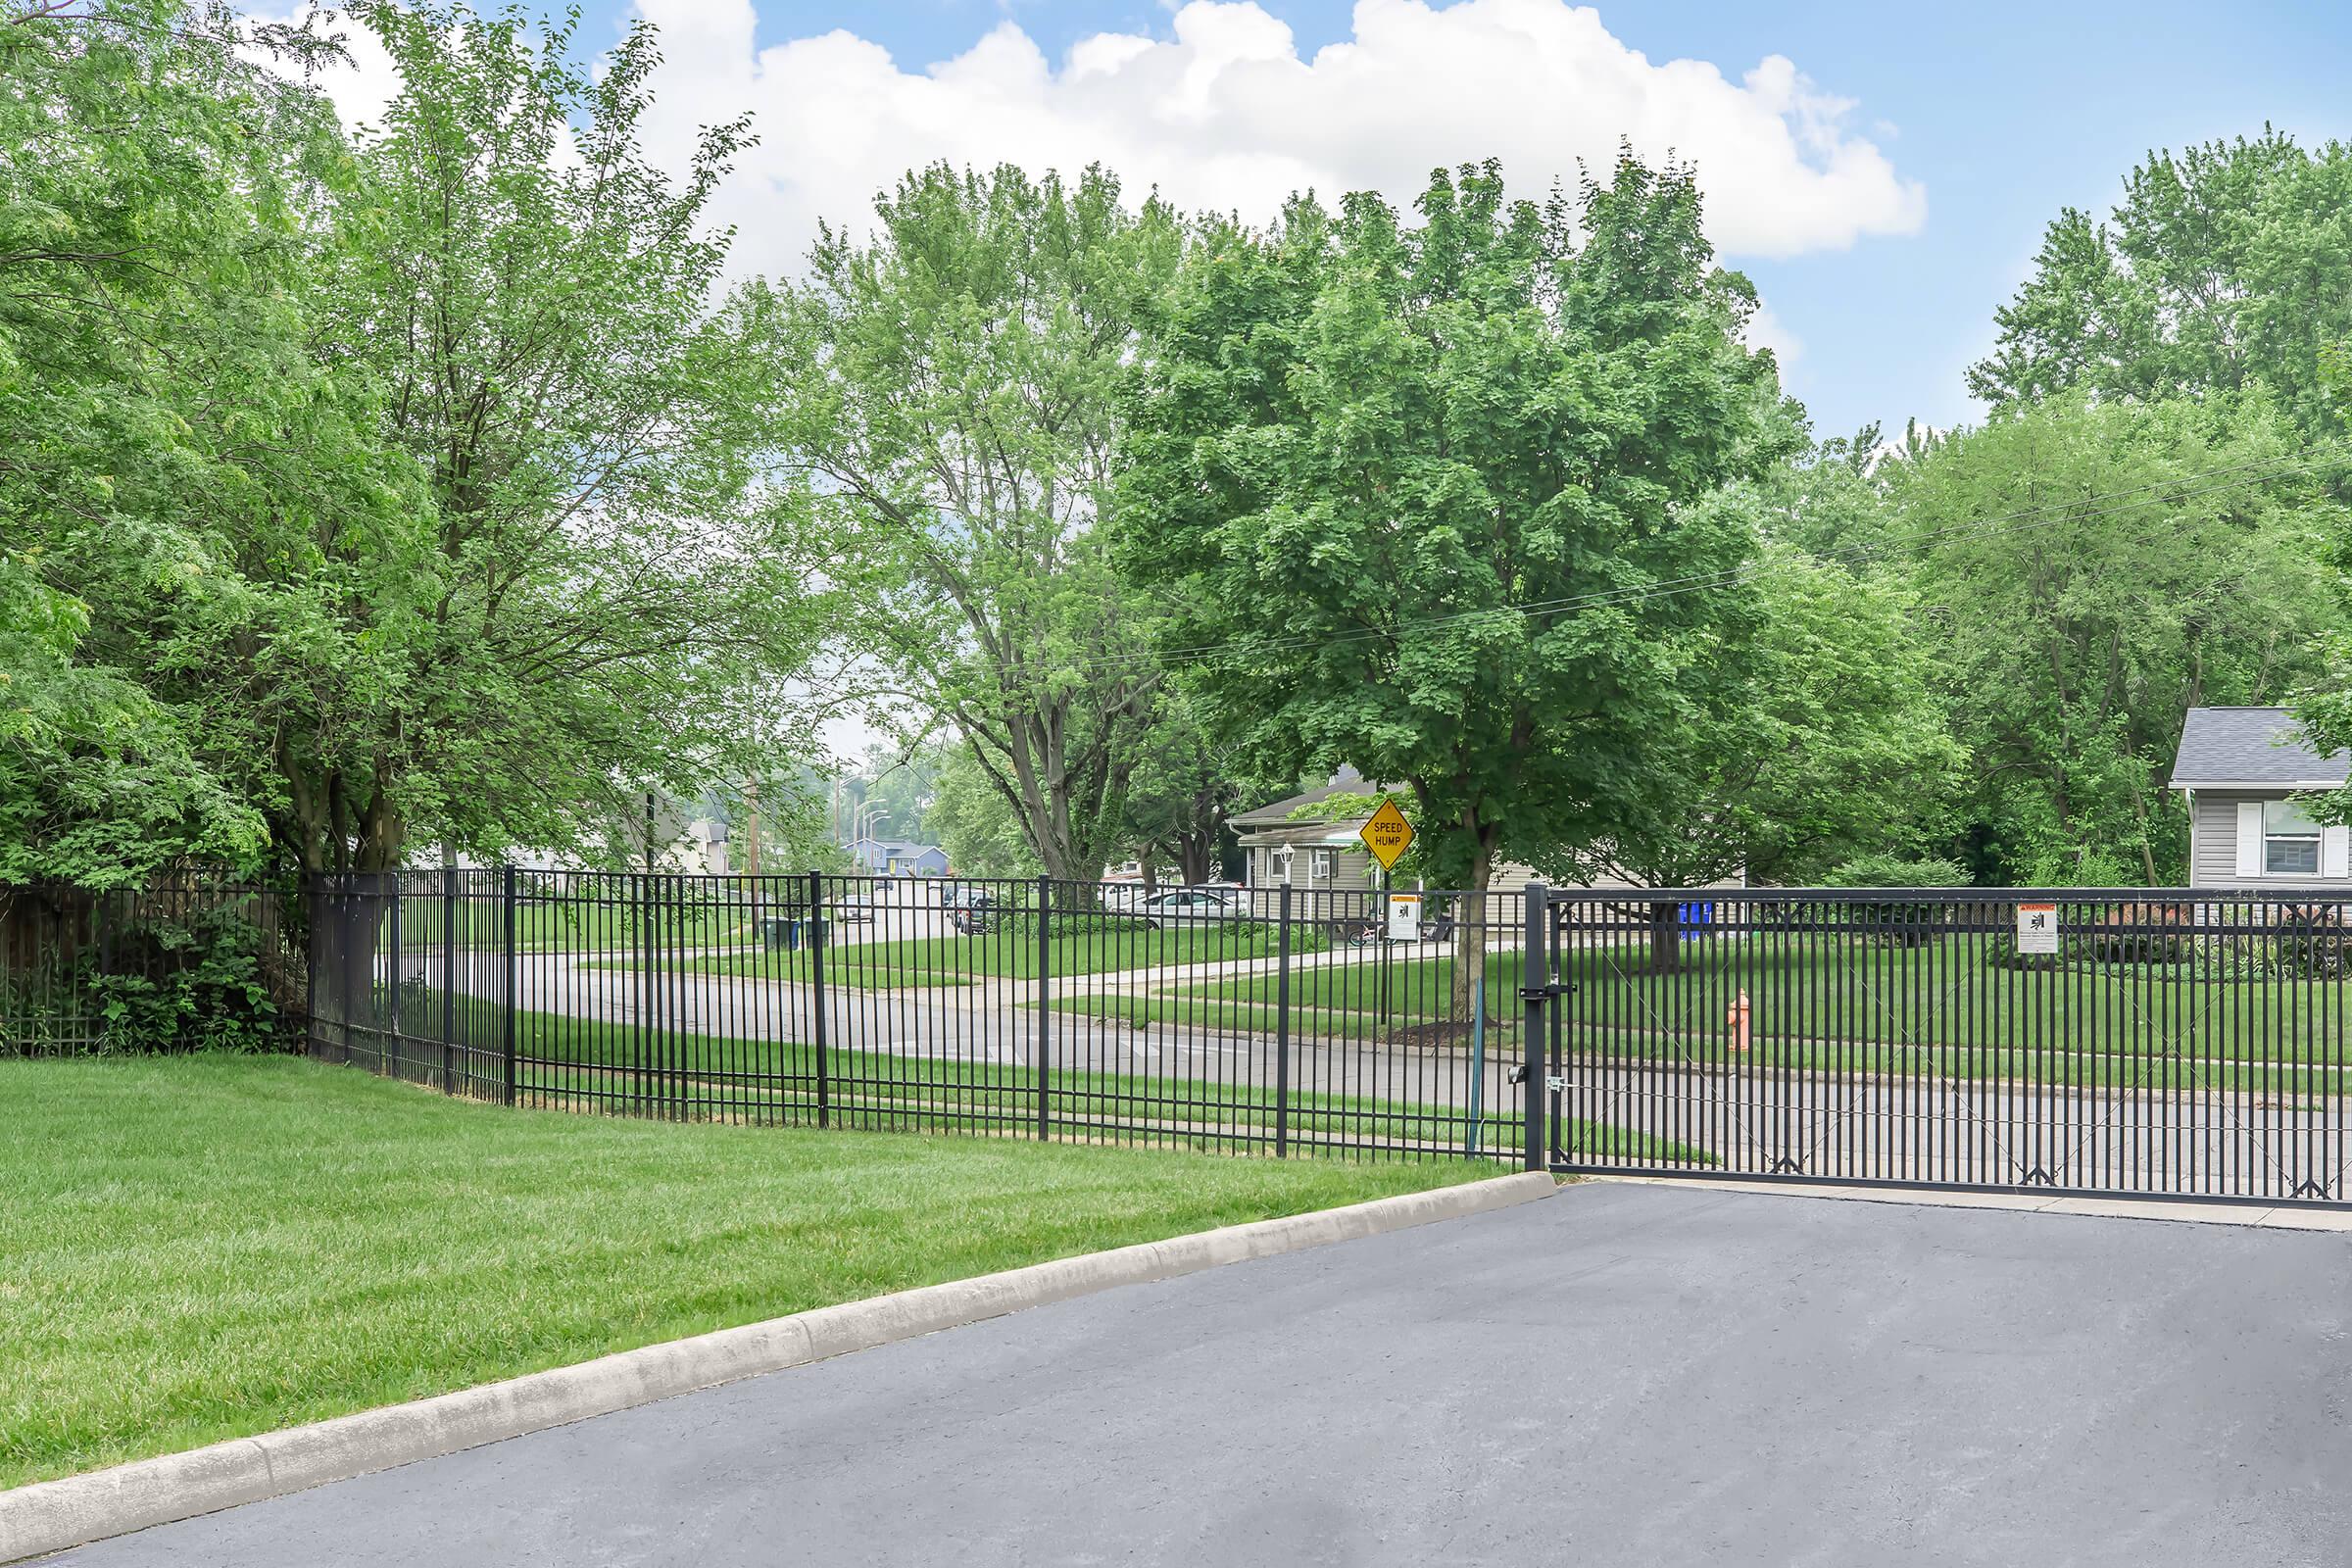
[
  {"x": 2161, "y": 1043},
  {"x": 2123, "y": 1041},
  {"x": 182, "y": 963},
  {"x": 1283, "y": 1022}
]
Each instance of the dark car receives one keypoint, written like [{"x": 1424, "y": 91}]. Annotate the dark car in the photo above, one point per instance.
[{"x": 972, "y": 912}]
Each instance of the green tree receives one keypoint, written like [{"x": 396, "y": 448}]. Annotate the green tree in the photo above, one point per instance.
[
  {"x": 1420, "y": 488},
  {"x": 1828, "y": 742},
  {"x": 159, "y": 189},
  {"x": 2093, "y": 569},
  {"x": 2224, "y": 266},
  {"x": 960, "y": 415},
  {"x": 971, "y": 819},
  {"x": 605, "y": 583},
  {"x": 506, "y": 561},
  {"x": 1183, "y": 785},
  {"x": 97, "y": 784}
]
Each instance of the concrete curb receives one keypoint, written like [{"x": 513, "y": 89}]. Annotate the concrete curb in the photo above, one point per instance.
[{"x": 53, "y": 1515}]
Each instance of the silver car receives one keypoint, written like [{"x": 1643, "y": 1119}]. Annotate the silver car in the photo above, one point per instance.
[{"x": 1186, "y": 906}]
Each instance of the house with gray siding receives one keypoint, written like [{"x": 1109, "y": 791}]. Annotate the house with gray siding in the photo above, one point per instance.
[
  {"x": 899, "y": 858},
  {"x": 1292, "y": 842},
  {"x": 2242, "y": 770}
]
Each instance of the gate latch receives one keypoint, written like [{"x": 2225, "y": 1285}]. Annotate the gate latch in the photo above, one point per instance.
[{"x": 1533, "y": 993}]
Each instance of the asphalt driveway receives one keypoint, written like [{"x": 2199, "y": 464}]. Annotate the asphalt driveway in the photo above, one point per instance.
[{"x": 1622, "y": 1375}]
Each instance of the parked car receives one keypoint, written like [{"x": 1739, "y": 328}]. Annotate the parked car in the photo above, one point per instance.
[
  {"x": 972, "y": 912},
  {"x": 1122, "y": 895},
  {"x": 1186, "y": 906},
  {"x": 853, "y": 907}
]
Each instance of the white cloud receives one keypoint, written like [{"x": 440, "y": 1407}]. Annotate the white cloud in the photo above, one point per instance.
[
  {"x": 1224, "y": 112},
  {"x": 361, "y": 88},
  {"x": 1766, "y": 330}
]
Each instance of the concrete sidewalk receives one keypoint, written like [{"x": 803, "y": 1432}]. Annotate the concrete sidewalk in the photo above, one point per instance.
[{"x": 1629, "y": 1373}]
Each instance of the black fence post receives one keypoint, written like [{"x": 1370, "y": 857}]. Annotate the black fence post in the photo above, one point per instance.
[
  {"x": 1282, "y": 1024},
  {"x": 400, "y": 1050},
  {"x": 817, "y": 970},
  {"x": 313, "y": 900},
  {"x": 106, "y": 965},
  {"x": 1535, "y": 990},
  {"x": 1045, "y": 1001},
  {"x": 449, "y": 979},
  {"x": 507, "y": 1034}
]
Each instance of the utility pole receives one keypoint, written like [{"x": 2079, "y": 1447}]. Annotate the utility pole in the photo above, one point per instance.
[
  {"x": 751, "y": 853},
  {"x": 649, "y": 832}
]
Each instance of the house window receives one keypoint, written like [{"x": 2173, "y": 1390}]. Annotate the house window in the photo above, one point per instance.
[
  {"x": 1324, "y": 861},
  {"x": 2291, "y": 839}
]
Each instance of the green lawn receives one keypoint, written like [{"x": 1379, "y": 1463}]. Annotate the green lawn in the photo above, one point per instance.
[
  {"x": 1863, "y": 1003},
  {"x": 568, "y": 925},
  {"x": 1091, "y": 1093},
  {"x": 1846, "y": 1006},
  {"x": 1362, "y": 995},
  {"x": 198, "y": 1248},
  {"x": 1009, "y": 951}
]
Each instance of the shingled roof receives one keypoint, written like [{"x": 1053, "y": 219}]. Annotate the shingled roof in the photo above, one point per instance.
[{"x": 2260, "y": 747}]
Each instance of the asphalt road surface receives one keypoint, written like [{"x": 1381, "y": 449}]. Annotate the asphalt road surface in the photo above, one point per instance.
[{"x": 1621, "y": 1375}]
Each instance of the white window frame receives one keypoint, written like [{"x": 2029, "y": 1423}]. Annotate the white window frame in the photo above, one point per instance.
[
  {"x": 2300, "y": 828},
  {"x": 2255, "y": 836}
]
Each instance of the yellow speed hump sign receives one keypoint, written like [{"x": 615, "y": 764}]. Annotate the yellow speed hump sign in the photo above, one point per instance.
[{"x": 1388, "y": 835}]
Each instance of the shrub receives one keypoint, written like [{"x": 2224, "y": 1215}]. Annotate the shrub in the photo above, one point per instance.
[
  {"x": 1898, "y": 922},
  {"x": 1893, "y": 871},
  {"x": 192, "y": 984}
]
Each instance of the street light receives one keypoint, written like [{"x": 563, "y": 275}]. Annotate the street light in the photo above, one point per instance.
[{"x": 870, "y": 818}]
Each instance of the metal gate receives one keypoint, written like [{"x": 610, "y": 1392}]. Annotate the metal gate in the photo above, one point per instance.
[{"x": 2161, "y": 1043}]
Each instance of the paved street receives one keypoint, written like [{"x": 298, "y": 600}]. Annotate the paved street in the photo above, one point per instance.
[{"x": 1624, "y": 1374}]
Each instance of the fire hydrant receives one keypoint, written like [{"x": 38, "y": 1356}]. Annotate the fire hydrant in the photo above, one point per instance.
[{"x": 1737, "y": 1021}]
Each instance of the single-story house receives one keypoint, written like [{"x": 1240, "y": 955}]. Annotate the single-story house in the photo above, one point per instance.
[
  {"x": 899, "y": 858},
  {"x": 2239, "y": 770},
  {"x": 1314, "y": 852}
]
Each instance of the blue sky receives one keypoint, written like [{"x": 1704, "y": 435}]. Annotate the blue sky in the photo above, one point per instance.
[{"x": 2003, "y": 113}]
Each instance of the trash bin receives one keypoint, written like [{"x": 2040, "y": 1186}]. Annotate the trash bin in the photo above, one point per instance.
[{"x": 780, "y": 935}]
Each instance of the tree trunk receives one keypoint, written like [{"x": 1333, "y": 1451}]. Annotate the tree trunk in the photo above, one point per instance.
[
  {"x": 1196, "y": 858},
  {"x": 1470, "y": 936},
  {"x": 1665, "y": 938}
]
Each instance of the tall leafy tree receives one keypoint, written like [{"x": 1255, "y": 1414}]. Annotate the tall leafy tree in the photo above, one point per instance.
[
  {"x": 2093, "y": 571},
  {"x": 2224, "y": 266},
  {"x": 1185, "y": 783},
  {"x": 160, "y": 187},
  {"x": 608, "y": 576},
  {"x": 416, "y": 482},
  {"x": 961, "y": 413},
  {"x": 1419, "y": 490},
  {"x": 1829, "y": 741}
]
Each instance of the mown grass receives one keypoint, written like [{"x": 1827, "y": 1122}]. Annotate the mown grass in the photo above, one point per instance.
[
  {"x": 199, "y": 1248},
  {"x": 1005, "y": 951},
  {"x": 564, "y": 925},
  {"x": 1090, "y": 1093},
  {"x": 1853, "y": 1005}
]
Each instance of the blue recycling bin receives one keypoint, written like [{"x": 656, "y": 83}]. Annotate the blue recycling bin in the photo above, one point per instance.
[{"x": 1694, "y": 917}]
